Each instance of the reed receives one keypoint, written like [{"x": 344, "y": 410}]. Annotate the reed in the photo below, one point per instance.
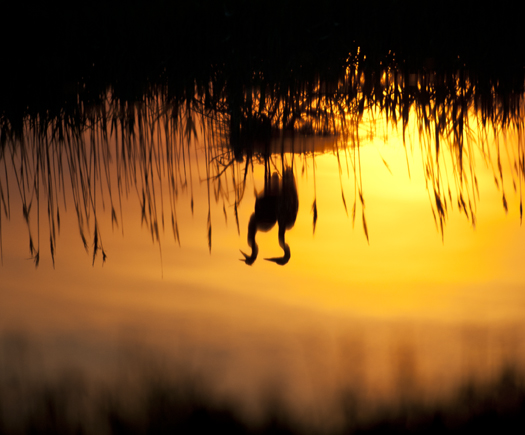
[{"x": 155, "y": 137}]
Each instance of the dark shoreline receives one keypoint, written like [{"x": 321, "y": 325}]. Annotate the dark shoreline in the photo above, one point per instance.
[{"x": 60, "y": 55}]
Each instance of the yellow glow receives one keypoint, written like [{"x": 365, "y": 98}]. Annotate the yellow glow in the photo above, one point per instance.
[{"x": 337, "y": 288}]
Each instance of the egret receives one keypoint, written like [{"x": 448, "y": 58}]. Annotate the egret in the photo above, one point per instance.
[{"x": 264, "y": 216}]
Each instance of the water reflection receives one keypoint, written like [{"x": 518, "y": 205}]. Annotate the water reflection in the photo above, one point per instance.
[
  {"x": 344, "y": 318},
  {"x": 133, "y": 135}
]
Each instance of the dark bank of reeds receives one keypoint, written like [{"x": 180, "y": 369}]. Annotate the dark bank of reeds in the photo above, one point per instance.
[
  {"x": 53, "y": 54},
  {"x": 145, "y": 397},
  {"x": 77, "y": 78}
]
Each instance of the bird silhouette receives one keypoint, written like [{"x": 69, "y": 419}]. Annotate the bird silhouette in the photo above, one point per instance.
[
  {"x": 279, "y": 204},
  {"x": 286, "y": 213},
  {"x": 264, "y": 216}
]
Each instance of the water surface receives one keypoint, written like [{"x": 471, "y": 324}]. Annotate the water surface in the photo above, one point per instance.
[{"x": 404, "y": 276}]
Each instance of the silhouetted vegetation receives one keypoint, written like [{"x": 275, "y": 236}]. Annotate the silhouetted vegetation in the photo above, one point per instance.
[
  {"x": 154, "y": 139},
  {"x": 104, "y": 98},
  {"x": 61, "y": 54},
  {"x": 145, "y": 73}
]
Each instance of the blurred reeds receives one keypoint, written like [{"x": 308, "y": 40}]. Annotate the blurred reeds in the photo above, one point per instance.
[{"x": 150, "y": 396}]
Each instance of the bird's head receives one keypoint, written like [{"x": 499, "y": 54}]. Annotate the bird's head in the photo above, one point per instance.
[
  {"x": 250, "y": 259},
  {"x": 285, "y": 258}
]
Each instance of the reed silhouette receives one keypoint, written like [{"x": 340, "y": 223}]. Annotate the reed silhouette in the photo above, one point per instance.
[{"x": 108, "y": 144}]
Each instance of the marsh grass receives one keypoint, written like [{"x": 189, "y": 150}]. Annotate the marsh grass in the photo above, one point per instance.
[
  {"x": 101, "y": 152},
  {"x": 134, "y": 94}
]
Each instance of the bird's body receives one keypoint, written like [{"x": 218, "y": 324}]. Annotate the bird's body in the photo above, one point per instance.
[
  {"x": 264, "y": 216},
  {"x": 279, "y": 204},
  {"x": 286, "y": 213},
  {"x": 289, "y": 201}
]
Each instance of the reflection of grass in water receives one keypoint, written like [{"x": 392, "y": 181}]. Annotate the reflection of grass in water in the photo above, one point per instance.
[
  {"x": 155, "y": 140},
  {"x": 147, "y": 397}
]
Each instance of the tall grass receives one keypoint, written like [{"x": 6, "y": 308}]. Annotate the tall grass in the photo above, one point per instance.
[{"x": 102, "y": 151}]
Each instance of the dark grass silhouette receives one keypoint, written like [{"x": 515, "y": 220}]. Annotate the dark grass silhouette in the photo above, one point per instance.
[
  {"x": 156, "y": 132},
  {"x": 85, "y": 47},
  {"x": 250, "y": 71}
]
